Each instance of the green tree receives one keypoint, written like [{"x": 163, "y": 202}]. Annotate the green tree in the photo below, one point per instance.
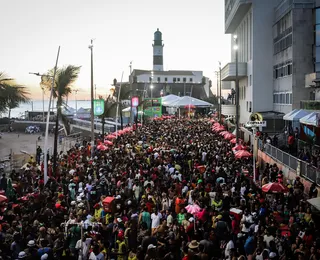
[
  {"x": 64, "y": 79},
  {"x": 11, "y": 94}
]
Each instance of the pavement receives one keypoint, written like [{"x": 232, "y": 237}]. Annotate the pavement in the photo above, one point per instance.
[{"x": 20, "y": 143}]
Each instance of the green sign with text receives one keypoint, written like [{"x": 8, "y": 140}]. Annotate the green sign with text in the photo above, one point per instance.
[{"x": 98, "y": 107}]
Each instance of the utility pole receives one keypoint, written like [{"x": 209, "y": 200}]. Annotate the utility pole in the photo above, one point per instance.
[
  {"x": 131, "y": 94},
  {"x": 237, "y": 89},
  {"x": 92, "y": 104},
  {"x": 220, "y": 97},
  {"x": 217, "y": 75},
  {"x": 95, "y": 91},
  {"x": 75, "y": 99}
]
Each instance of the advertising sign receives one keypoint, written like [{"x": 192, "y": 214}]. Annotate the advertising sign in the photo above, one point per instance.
[
  {"x": 135, "y": 101},
  {"x": 98, "y": 107},
  {"x": 152, "y": 107}
]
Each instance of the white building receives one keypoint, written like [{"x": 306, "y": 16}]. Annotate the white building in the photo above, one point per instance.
[
  {"x": 178, "y": 82},
  {"x": 251, "y": 21}
]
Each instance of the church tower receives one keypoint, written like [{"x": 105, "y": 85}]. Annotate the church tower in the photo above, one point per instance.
[{"x": 157, "y": 51}]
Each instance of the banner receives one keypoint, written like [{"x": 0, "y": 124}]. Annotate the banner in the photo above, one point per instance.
[{"x": 98, "y": 107}]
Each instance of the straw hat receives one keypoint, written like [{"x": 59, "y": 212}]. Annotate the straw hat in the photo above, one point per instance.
[{"x": 194, "y": 244}]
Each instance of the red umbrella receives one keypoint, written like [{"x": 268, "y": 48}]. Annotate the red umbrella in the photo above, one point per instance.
[
  {"x": 190, "y": 106},
  {"x": 107, "y": 142},
  {"x": 242, "y": 154},
  {"x": 274, "y": 187},
  {"x": 111, "y": 137},
  {"x": 223, "y": 133},
  {"x": 234, "y": 140},
  {"x": 3, "y": 199},
  {"x": 239, "y": 147},
  {"x": 216, "y": 124},
  {"x": 220, "y": 128},
  {"x": 102, "y": 147},
  {"x": 228, "y": 136}
]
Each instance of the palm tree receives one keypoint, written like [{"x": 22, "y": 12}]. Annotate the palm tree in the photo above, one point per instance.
[
  {"x": 62, "y": 88},
  {"x": 11, "y": 94}
]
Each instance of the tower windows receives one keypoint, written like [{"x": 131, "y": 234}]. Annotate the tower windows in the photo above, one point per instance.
[
  {"x": 184, "y": 80},
  {"x": 174, "y": 80},
  {"x": 191, "y": 79},
  {"x": 178, "y": 79},
  {"x": 158, "y": 79},
  {"x": 165, "y": 79}
]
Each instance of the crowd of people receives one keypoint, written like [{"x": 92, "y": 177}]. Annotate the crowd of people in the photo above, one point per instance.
[{"x": 177, "y": 192}]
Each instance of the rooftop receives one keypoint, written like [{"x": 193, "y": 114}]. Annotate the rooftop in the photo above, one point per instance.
[{"x": 168, "y": 72}]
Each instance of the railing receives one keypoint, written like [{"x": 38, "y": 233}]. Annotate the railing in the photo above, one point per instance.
[
  {"x": 309, "y": 171},
  {"x": 279, "y": 155}
]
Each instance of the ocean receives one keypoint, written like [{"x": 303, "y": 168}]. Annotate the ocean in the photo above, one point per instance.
[{"x": 37, "y": 105}]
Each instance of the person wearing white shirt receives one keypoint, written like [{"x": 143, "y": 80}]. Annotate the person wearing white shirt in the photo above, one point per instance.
[
  {"x": 227, "y": 251},
  {"x": 85, "y": 248},
  {"x": 155, "y": 222}
]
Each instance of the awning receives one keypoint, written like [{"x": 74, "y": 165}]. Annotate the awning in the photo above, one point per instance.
[
  {"x": 166, "y": 100},
  {"x": 186, "y": 101},
  {"x": 310, "y": 119},
  {"x": 286, "y": 116},
  {"x": 315, "y": 202},
  {"x": 296, "y": 116}
]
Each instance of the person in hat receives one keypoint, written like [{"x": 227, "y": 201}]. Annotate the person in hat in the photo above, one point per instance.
[
  {"x": 120, "y": 249},
  {"x": 31, "y": 250}
]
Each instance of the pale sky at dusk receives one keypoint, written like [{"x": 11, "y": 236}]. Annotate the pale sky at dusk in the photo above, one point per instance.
[{"x": 32, "y": 30}]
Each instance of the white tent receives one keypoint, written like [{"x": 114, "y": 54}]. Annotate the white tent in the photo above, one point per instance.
[
  {"x": 166, "y": 100},
  {"x": 310, "y": 119},
  {"x": 186, "y": 101},
  {"x": 286, "y": 116}
]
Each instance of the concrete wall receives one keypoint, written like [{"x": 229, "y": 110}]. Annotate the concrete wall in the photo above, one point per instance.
[
  {"x": 262, "y": 67},
  {"x": 302, "y": 53}
]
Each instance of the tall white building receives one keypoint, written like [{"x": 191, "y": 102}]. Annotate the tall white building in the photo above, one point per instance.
[{"x": 251, "y": 21}]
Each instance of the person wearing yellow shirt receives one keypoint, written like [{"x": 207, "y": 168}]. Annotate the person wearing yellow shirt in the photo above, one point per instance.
[{"x": 97, "y": 212}]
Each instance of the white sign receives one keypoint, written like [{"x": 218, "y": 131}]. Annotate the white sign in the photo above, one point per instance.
[{"x": 256, "y": 123}]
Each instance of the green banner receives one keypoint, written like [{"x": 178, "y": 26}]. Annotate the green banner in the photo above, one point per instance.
[
  {"x": 152, "y": 107},
  {"x": 98, "y": 107}
]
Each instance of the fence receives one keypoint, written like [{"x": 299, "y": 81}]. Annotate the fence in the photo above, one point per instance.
[
  {"x": 279, "y": 155},
  {"x": 309, "y": 171}
]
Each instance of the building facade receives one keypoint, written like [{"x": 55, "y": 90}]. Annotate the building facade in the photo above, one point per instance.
[
  {"x": 251, "y": 21},
  {"x": 278, "y": 54},
  {"x": 157, "y": 82}
]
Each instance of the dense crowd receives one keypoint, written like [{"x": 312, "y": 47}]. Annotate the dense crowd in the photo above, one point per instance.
[{"x": 175, "y": 190}]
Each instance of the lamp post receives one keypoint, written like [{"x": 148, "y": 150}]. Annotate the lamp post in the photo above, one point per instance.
[
  {"x": 92, "y": 103},
  {"x": 237, "y": 88},
  {"x": 217, "y": 75},
  {"x": 220, "y": 97},
  {"x": 75, "y": 100},
  {"x": 118, "y": 100},
  {"x": 131, "y": 93},
  {"x": 45, "y": 163}
]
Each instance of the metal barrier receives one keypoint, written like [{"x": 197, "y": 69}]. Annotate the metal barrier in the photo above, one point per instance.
[
  {"x": 279, "y": 155},
  {"x": 309, "y": 171}
]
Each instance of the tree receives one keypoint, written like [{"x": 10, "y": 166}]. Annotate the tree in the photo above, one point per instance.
[
  {"x": 65, "y": 77},
  {"x": 11, "y": 94}
]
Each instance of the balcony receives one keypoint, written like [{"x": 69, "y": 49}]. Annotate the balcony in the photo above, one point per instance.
[
  {"x": 228, "y": 72},
  {"x": 228, "y": 110},
  {"x": 310, "y": 104},
  {"x": 235, "y": 10}
]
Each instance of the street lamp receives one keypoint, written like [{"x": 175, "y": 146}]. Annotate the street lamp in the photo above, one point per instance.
[
  {"x": 235, "y": 47},
  {"x": 45, "y": 163},
  {"x": 92, "y": 102},
  {"x": 151, "y": 88},
  {"x": 75, "y": 100}
]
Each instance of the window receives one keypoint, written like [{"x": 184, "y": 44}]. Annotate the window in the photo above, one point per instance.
[
  {"x": 289, "y": 69},
  {"x": 191, "y": 79},
  {"x": 247, "y": 105},
  {"x": 184, "y": 80},
  {"x": 274, "y": 98},
  {"x": 282, "y": 98},
  {"x": 250, "y": 80},
  {"x": 244, "y": 92},
  {"x": 165, "y": 79},
  {"x": 178, "y": 79},
  {"x": 174, "y": 79},
  {"x": 287, "y": 98},
  {"x": 318, "y": 16},
  {"x": 290, "y": 96},
  {"x": 158, "y": 79},
  {"x": 150, "y": 79}
]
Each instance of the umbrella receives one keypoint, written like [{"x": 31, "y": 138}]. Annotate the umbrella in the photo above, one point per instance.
[
  {"x": 218, "y": 129},
  {"x": 190, "y": 106},
  {"x": 107, "y": 142},
  {"x": 102, "y": 147},
  {"x": 228, "y": 136},
  {"x": 193, "y": 209},
  {"x": 234, "y": 140},
  {"x": 216, "y": 124},
  {"x": 224, "y": 133},
  {"x": 239, "y": 147},
  {"x": 111, "y": 137},
  {"x": 242, "y": 154},
  {"x": 274, "y": 187},
  {"x": 3, "y": 199}
]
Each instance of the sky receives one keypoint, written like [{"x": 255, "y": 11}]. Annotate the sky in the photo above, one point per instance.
[{"x": 192, "y": 32}]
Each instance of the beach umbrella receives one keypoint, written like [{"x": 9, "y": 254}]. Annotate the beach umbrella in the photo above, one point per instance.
[
  {"x": 223, "y": 133},
  {"x": 234, "y": 140},
  {"x": 107, "y": 142},
  {"x": 274, "y": 187},
  {"x": 102, "y": 147},
  {"x": 220, "y": 128},
  {"x": 239, "y": 147},
  {"x": 3, "y": 199},
  {"x": 190, "y": 106},
  {"x": 216, "y": 124},
  {"x": 228, "y": 136},
  {"x": 111, "y": 137},
  {"x": 242, "y": 154},
  {"x": 193, "y": 209}
]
